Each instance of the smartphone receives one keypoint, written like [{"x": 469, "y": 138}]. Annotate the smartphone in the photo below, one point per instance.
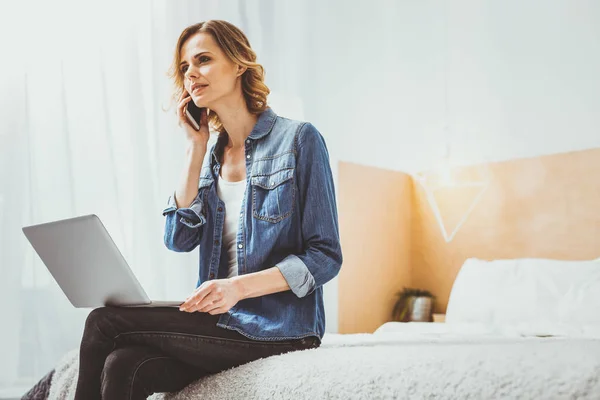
[{"x": 192, "y": 112}]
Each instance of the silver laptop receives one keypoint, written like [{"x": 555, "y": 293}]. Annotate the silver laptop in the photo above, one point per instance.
[{"x": 87, "y": 265}]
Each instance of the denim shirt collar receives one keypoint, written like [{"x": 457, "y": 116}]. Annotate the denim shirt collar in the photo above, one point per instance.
[{"x": 264, "y": 125}]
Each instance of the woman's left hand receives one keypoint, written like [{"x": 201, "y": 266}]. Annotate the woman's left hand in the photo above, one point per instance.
[{"x": 215, "y": 297}]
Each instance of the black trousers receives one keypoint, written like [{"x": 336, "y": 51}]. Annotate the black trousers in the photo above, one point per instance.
[{"x": 131, "y": 353}]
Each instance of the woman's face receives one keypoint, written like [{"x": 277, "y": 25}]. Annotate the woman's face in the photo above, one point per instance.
[{"x": 204, "y": 63}]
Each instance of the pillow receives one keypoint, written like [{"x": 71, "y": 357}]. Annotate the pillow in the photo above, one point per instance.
[{"x": 540, "y": 295}]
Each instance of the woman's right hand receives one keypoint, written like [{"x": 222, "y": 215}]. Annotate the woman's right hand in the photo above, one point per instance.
[{"x": 194, "y": 136}]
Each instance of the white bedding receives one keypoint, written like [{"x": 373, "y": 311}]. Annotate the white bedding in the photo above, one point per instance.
[
  {"x": 405, "y": 361},
  {"x": 417, "y": 361},
  {"x": 515, "y": 329}
]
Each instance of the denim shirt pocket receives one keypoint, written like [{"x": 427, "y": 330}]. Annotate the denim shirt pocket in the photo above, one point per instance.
[{"x": 273, "y": 188}]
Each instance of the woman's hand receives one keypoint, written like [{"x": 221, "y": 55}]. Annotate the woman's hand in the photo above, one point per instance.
[
  {"x": 214, "y": 297},
  {"x": 200, "y": 136}
]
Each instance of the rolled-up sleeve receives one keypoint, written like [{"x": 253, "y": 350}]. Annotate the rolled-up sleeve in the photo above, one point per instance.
[
  {"x": 183, "y": 226},
  {"x": 321, "y": 259}
]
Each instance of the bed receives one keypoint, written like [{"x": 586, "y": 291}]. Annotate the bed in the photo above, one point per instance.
[{"x": 526, "y": 328}]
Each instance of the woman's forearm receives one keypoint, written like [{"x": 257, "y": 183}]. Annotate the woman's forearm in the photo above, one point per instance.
[
  {"x": 261, "y": 283},
  {"x": 188, "y": 187}
]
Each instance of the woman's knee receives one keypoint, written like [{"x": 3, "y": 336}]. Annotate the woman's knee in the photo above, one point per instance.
[
  {"x": 102, "y": 326},
  {"x": 136, "y": 372},
  {"x": 118, "y": 376},
  {"x": 97, "y": 316},
  {"x": 95, "y": 328}
]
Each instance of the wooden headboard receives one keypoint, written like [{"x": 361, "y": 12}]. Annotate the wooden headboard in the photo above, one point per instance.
[{"x": 546, "y": 207}]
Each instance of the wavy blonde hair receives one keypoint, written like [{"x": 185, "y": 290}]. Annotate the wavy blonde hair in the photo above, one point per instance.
[{"x": 234, "y": 43}]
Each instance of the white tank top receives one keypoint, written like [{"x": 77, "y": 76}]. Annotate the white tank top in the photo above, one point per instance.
[{"x": 232, "y": 194}]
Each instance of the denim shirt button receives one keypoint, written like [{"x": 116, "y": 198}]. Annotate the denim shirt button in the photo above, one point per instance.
[
  {"x": 211, "y": 276},
  {"x": 220, "y": 209},
  {"x": 240, "y": 246}
]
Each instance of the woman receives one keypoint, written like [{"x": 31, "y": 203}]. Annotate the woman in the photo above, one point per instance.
[{"x": 261, "y": 207}]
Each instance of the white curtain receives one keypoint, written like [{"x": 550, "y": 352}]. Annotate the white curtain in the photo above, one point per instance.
[{"x": 82, "y": 131}]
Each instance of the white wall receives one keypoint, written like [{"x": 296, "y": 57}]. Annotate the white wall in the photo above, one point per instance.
[{"x": 522, "y": 80}]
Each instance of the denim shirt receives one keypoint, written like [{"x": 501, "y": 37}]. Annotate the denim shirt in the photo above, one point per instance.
[{"x": 288, "y": 219}]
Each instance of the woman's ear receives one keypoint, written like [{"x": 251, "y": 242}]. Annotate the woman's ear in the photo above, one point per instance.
[{"x": 240, "y": 70}]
